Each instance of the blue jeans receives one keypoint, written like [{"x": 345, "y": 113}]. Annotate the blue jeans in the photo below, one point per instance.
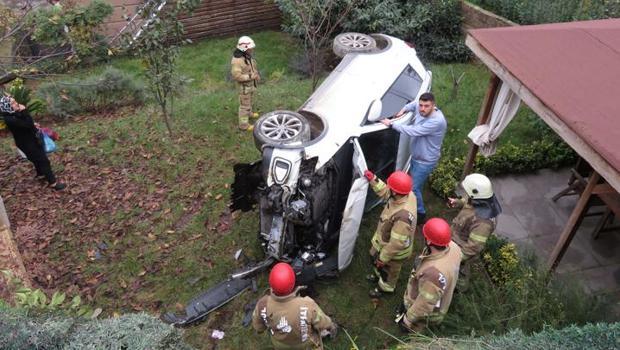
[{"x": 419, "y": 173}]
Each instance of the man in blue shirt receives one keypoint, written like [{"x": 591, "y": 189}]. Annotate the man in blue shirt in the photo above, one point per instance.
[{"x": 427, "y": 131}]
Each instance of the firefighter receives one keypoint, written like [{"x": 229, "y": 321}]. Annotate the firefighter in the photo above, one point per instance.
[
  {"x": 475, "y": 222},
  {"x": 245, "y": 73},
  {"x": 392, "y": 242},
  {"x": 294, "y": 322},
  {"x": 432, "y": 280}
]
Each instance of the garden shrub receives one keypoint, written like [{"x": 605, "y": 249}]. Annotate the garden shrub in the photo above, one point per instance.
[
  {"x": 433, "y": 26},
  {"x": 509, "y": 291},
  {"x": 590, "y": 336},
  {"x": 108, "y": 90},
  {"x": 21, "y": 330},
  {"x": 548, "y": 152},
  {"x": 70, "y": 28},
  {"x": 551, "y": 11},
  {"x": 23, "y": 95}
]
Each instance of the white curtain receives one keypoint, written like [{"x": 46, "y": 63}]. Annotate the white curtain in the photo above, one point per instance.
[{"x": 505, "y": 107}]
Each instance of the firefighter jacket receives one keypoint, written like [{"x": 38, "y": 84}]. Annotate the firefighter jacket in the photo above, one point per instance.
[
  {"x": 244, "y": 71},
  {"x": 431, "y": 285},
  {"x": 470, "y": 231},
  {"x": 393, "y": 238},
  {"x": 293, "y": 322}
]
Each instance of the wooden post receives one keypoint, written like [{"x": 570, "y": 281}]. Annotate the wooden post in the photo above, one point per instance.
[
  {"x": 573, "y": 223},
  {"x": 483, "y": 118}
]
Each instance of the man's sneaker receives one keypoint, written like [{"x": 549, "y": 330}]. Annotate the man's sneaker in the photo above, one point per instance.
[
  {"x": 375, "y": 293},
  {"x": 372, "y": 278}
]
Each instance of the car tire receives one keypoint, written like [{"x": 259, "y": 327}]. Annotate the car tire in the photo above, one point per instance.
[
  {"x": 352, "y": 42},
  {"x": 281, "y": 127}
]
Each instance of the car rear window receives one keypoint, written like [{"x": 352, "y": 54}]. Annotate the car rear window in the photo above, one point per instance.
[{"x": 404, "y": 89}]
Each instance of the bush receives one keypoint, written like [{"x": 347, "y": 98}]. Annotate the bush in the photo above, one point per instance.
[
  {"x": 133, "y": 331},
  {"x": 549, "y": 152},
  {"x": 434, "y": 26},
  {"x": 535, "y": 11},
  {"x": 23, "y": 95},
  {"x": 597, "y": 336},
  {"x": 590, "y": 336},
  {"x": 111, "y": 89},
  {"x": 70, "y": 28},
  {"x": 508, "y": 291}
]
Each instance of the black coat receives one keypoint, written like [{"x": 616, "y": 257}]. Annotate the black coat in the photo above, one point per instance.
[{"x": 24, "y": 132}]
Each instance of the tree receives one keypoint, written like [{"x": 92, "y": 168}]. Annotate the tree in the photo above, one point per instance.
[
  {"x": 157, "y": 44},
  {"x": 38, "y": 39},
  {"x": 315, "y": 21}
]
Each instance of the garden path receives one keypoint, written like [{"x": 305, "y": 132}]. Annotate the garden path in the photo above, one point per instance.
[{"x": 533, "y": 221}]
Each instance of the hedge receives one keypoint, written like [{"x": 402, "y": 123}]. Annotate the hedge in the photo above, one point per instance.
[
  {"x": 548, "y": 152},
  {"x": 21, "y": 331}
]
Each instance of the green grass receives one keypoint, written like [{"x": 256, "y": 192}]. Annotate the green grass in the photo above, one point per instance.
[{"x": 196, "y": 165}]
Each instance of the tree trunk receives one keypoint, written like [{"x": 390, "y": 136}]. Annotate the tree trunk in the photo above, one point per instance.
[{"x": 167, "y": 120}]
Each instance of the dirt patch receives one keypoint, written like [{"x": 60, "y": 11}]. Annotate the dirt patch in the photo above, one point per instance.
[{"x": 57, "y": 232}]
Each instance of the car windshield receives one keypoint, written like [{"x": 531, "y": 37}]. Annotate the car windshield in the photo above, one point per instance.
[{"x": 404, "y": 89}]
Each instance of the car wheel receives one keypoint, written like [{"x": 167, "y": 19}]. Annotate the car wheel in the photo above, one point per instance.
[
  {"x": 353, "y": 42},
  {"x": 281, "y": 128}
]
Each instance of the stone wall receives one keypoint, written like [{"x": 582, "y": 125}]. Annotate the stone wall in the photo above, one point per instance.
[{"x": 476, "y": 17}]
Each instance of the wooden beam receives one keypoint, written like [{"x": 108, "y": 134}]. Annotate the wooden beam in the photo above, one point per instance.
[
  {"x": 575, "y": 141},
  {"x": 483, "y": 118},
  {"x": 572, "y": 224}
]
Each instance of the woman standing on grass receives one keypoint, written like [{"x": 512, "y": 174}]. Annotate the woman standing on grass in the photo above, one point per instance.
[{"x": 20, "y": 123}]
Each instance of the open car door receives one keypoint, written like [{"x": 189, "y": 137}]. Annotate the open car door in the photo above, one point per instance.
[{"x": 354, "y": 209}]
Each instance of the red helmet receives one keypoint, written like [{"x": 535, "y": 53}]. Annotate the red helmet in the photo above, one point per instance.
[
  {"x": 282, "y": 279},
  {"x": 400, "y": 182},
  {"x": 437, "y": 231}
]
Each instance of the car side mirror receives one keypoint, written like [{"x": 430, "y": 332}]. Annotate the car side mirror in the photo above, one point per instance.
[{"x": 374, "y": 111}]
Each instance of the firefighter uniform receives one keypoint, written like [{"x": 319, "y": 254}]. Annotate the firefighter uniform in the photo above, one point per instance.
[
  {"x": 245, "y": 73},
  {"x": 430, "y": 286},
  {"x": 294, "y": 322},
  {"x": 470, "y": 232},
  {"x": 392, "y": 242}
]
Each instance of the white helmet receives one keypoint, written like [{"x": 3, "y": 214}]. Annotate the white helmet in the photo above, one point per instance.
[
  {"x": 477, "y": 186},
  {"x": 245, "y": 43}
]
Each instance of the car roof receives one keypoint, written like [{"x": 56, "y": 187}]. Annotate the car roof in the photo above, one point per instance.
[{"x": 343, "y": 99}]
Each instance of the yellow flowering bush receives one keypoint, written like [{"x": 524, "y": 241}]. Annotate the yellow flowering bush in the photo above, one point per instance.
[{"x": 502, "y": 262}]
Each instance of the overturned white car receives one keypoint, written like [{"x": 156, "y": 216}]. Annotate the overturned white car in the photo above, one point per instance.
[{"x": 309, "y": 186}]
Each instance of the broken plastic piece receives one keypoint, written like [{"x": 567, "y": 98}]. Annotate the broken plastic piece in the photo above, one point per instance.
[
  {"x": 217, "y": 334},
  {"x": 199, "y": 307}
]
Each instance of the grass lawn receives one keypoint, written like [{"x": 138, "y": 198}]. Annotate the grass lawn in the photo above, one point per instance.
[{"x": 170, "y": 235}]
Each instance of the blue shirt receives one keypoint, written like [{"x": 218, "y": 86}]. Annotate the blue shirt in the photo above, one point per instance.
[{"x": 426, "y": 133}]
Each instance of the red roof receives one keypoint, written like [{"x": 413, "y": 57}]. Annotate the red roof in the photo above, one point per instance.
[{"x": 573, "y": 68}]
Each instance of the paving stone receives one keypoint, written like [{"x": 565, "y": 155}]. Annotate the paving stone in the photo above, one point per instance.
[{"x": 508, "y": 225}]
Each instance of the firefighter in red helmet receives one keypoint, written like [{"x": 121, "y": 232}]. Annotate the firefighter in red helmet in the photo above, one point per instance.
[
  {"x": 433, "y": 278},
  {"x": 392, "y": 242},
  {"x": 294, "y": 322}
]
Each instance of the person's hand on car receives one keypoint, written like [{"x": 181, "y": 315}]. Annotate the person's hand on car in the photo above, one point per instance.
[
  {"x": 369, "y": 175},
  {"x": 386, "y": 122}
]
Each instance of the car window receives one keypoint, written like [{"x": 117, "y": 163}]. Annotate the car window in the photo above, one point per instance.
[{"x": 404, "y": 89}]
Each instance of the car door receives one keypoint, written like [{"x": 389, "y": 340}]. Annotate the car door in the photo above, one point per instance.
[{"x": 354, "y": 208}]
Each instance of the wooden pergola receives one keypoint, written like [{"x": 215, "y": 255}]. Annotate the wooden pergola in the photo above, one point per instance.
[{"x": 569, "y": 75}]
